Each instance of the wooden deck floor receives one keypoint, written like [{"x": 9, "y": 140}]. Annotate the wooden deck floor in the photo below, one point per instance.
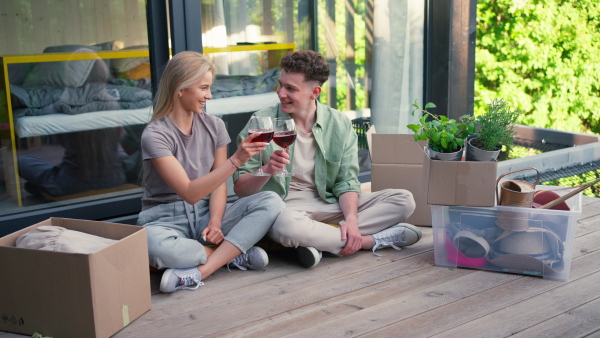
[{"x": 402, "y": 294}]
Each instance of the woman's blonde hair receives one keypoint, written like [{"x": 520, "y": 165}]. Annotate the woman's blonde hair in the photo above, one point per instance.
[{"x": 184, "y": 70}]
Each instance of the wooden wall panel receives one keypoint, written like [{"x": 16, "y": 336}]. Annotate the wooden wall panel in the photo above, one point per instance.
[
  {"x": 29, "y": 26},
  {"x": 88, "y": 22},
  {"x": 102, "y": 19},
  {"x": 134, "y": 12},
  {"x": 40, "y": 23},
  {"x": 57, "y": 21},
  {"x": 9, "y": 28},
  {"x": 73, "y": 16}
]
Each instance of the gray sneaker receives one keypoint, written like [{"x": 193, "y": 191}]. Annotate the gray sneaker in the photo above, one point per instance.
[
  {"x": 400, "y": 235},
  {"x": 255, "y": 258},
  {"x": 308, "y": 256},
  {"x": 180, "y": 279}
]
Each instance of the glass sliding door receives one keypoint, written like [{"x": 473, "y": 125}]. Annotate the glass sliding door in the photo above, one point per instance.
[
  {"x": 346, "y": 40},
  {"x": 249, "y": 24},
  {"x": 75, "y": 95},
  {"x": 342, "y": 28},
  {"x": 246, "y": 39}
]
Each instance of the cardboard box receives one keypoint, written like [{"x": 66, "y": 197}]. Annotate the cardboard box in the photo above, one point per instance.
[
  {"x": 527, "y": 241},
  {"x": 464, "y": 183},
  {"x": 397, "y": 163},
  {"x": 62, "y": 294},
  {"x": 401, "y": 163}
]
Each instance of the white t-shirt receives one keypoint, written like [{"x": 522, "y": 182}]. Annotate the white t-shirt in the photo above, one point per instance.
[{"x": 304, "y": 162}]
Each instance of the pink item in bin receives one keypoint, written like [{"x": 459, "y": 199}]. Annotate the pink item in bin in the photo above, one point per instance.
[{"x": 460, "y": 259}]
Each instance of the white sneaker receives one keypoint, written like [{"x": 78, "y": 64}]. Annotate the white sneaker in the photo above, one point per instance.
[
  {"x": 254, "y": 259},
  {"x": 397, "y": 236},
  {"x": 308, "y": 256},
  {"x": 180, "y": 279}
]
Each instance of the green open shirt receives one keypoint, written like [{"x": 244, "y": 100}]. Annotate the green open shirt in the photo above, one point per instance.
[{"x": 336, "y": 156}]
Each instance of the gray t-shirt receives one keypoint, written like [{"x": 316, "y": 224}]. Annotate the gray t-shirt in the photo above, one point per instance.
[{"x": 195, "y": 152}]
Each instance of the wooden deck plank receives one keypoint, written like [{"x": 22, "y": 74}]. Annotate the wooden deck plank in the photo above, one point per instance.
[
  {"x": 471, "y": 296},
  {"x": 590, "y": 210},
  {"x": 328, "y": 309},
  {"x": 577, "y": 322},
  {"x": 418, "y": 301},
  {"x": 586, "y": 200},
  {"x": 320, "y": 328},
  {"x": 588, "y": 225},
  {"x": 296, "y": 290},
  {"x": 535, "y": 310},
  {"x": 503, "y": 298},
  {"x": 400, "y": 294}
]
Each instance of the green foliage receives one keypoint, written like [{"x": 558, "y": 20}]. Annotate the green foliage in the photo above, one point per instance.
[
  {"x": 442, "y": 134},
  {"x": 573, "y": 181},
  {"x": 543, "y": 55},
  {"x": 495, "y": 128},
  {"x": 350, "y": 63},
  {"x": 519, "y": 152}
]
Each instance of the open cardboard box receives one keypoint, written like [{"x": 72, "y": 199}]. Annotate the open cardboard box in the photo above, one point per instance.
[
  {"x": 397, "y": 163},
  {"x": 61, "y": 294},
  {"x": 466, "y": 183},
  {"x": 401, "y": 163}
]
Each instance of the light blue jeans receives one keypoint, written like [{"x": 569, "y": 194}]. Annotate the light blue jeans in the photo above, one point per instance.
[{"x": 174, "y": 229}]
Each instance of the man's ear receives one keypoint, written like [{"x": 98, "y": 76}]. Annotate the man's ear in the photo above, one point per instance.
[{"x": 316, "y": 91}]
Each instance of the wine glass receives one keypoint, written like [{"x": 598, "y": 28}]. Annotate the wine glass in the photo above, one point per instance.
[
  {"x": 264, "y": 126},
  {"x": 285, "y": 135}
]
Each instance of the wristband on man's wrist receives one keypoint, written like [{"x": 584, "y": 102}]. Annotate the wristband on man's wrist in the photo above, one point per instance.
[{"x": 233, "y": 164}]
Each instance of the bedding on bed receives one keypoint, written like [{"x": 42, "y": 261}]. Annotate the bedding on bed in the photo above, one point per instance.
[
  {"x": 43, "y": 100},
  {"x": 29, "y": 126},
  {"x": 240, "y": 85},
  {"x": 122, "y": 94},
  {"x": 69, "y": 88}
]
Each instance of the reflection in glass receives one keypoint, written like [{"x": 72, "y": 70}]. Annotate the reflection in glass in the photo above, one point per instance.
[{"x": 66, "y": 132}]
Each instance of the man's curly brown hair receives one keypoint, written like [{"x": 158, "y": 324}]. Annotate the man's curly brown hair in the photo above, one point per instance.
[{"x": 308, "y": 62}]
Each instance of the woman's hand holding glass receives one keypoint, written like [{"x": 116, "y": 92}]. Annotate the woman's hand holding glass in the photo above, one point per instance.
[
  {"x": 262, "y": 127},
  {"x": 247, "y": 149}
]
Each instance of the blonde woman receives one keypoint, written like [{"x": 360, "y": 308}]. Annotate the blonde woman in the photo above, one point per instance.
[{"x": 185, "y": 171}]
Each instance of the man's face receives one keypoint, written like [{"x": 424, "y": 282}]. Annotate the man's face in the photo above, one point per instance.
[{"x": 295, "y": 94}]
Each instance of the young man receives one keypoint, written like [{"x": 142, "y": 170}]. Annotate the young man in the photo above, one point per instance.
[{"x": 324, "y": 192}]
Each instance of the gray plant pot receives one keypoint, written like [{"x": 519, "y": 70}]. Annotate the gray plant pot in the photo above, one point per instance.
[
  {"x": 475, "y": 154},
  {"x": 434, "y": 155}
]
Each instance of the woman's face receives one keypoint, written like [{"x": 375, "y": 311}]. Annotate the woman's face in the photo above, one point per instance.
[{"x": 194, "y": 98}]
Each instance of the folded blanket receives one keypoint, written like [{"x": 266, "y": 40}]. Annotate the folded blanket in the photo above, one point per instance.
[
  {"x": 240, "y": 85},
  {"x": 55, "y": 238},
  {"x": 43, "y": 100},
  {"x": 117, "y": 94}
]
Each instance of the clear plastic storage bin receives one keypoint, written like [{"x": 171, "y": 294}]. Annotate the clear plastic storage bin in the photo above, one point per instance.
[{"x": 528, "y": 241}]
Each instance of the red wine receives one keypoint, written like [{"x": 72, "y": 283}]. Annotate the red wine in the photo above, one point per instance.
[
  {"x": 284, "y": 138},
  {"x": 266, "y": 135}
]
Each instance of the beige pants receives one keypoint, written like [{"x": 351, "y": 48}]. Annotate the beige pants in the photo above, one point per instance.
[{"x": 306, "y": 219}]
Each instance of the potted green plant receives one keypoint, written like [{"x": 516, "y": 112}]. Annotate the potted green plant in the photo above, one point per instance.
[
  {"x": 444, "y": 136},
  {"x": 494, "y": 129}
]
